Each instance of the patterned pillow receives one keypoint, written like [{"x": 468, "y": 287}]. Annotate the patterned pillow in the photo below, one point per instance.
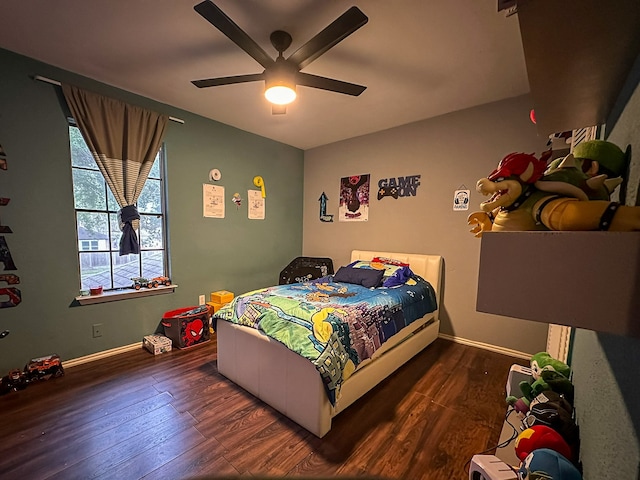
[
  {"x": 396, "y": 275},
  {"x": 393, "y": 275}
]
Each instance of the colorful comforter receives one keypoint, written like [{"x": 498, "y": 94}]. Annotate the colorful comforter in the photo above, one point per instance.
[{"x": 335, "y": 325}]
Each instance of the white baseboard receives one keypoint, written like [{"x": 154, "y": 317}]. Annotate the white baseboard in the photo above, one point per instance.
[
  {"x": 486, "y": 346},
  {"x": 127, "y": 348},
  {"x": 100, "y": 355}
]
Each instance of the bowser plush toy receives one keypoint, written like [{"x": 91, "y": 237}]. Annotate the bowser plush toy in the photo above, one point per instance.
[
  {"x": 572, "y": 194},
  {"x": 548, "y": 374}
]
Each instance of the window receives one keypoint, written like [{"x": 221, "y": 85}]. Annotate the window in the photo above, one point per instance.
[
  {"x": 97, "y": 223},
  {"x": 89, "y": 245}
]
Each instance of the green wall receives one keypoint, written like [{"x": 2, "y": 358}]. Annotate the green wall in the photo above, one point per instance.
[
  {"x": 233, "y": 253},
  {"x": 606, "y": 368}
]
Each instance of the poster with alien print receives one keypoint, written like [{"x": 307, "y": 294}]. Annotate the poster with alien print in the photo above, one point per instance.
[{"x": 354, "y": 198}]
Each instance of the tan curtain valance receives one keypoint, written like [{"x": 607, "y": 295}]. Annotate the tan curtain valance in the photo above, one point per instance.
[{"x": 124, "y": 141}]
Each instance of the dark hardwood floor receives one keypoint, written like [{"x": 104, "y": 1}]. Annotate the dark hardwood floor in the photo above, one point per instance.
[{"x": 173, "y": 416}]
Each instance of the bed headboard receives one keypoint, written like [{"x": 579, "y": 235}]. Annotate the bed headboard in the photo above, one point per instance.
[{"x": 429, "y": 267}]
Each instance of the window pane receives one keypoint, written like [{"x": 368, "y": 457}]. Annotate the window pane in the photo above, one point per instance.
[
  {"x": 93, "y": 226},
  {"x": 88, "y": 189},
  {"x": 152, "y": 264},
  {"x": 155, "y": 170},
  {"x": 151, "y": 235},
  {"x": 113, "y": 204},
  {"x": 124, "y": 269},
  {"x": 95, "y": 270},
  {"x": 150, "y": 200},
  {"x": 80, "y": 154},
  {"x": 115, "y": 231}
]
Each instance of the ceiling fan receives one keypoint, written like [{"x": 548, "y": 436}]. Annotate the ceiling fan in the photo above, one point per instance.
[{"x": 282, "y": 75}]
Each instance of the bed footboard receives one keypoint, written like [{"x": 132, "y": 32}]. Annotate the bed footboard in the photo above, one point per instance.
[
  {"x": 291, "y": 384},
  {"x": 276, "y": 375}
]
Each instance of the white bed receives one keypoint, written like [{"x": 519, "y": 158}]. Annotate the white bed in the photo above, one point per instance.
[{"x": 261, "y": 365}]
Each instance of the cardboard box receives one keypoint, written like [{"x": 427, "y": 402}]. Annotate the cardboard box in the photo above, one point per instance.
[
  {"x": 157, "y": 344},
  {"x": 221, "y": 297}
]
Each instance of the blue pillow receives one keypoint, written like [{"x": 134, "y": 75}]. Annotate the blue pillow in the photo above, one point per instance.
[{"x": 359, "y": 276}]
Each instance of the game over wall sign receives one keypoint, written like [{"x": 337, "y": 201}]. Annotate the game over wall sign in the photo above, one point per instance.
[{"x": 396, "y": 187}]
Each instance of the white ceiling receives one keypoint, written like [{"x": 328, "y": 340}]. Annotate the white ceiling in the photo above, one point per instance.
[{"x": 418, "y": 58}]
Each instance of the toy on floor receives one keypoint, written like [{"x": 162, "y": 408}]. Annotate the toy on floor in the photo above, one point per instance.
[
  {"x": 573, "y": 194},
  {"x": 490, "y": 467},
  {"x": 548, "y": 373},
  {"x": 35, "y": 370},
  {"x": 541, "y": 436},
  {"x": 546, "y": 464},
  {"x": 552, "y": 410}
]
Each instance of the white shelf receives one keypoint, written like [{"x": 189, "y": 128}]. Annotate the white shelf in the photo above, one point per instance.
[{"x": 581, "y": 279}]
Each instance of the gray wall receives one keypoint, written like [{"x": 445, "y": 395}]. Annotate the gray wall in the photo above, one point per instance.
[
  {"x": 448, "y": 152},
  {"x": 606, "y": 368},
  {"x": 207, "y": 254}
]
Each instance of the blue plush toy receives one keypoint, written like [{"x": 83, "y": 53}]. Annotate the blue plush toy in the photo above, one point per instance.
[{"x": 546, "y": 464}]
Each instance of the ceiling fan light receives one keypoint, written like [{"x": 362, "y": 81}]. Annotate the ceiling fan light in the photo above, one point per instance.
[{"x": 280, "y": 94}]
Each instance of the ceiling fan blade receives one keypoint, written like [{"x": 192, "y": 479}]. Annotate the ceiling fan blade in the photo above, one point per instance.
[
  {"x": 219, "y": 19},
  {"x": 214, "y": 82},
  {"x": 338, "y": 30},
  {"x": 324, "y": 83}
]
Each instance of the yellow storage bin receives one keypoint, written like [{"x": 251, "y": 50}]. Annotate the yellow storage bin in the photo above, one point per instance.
[
  {"x": 221, "y": 297},
  {"x": 216, "y": 306}
]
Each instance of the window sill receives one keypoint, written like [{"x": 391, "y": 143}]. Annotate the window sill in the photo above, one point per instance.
[{"x": 125, "y": 294}]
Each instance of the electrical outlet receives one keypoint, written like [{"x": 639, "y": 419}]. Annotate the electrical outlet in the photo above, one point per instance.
[
  {"x": 201, "y": 300},
  {"x": 97, "y": 330}
]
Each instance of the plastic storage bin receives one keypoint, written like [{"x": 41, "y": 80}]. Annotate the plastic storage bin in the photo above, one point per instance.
[{"x": 187, "y": 327}]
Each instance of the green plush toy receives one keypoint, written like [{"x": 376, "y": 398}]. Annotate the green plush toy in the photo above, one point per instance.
[
  {"x": 610, "y": 158},
  {"x": 548, "y": 374}
]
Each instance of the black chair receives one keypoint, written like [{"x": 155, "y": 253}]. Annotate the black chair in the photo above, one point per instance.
[{"x": 301, "y": 269}]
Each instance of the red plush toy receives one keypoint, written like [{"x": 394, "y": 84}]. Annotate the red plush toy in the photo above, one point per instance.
[{"x": 541, "y": 436}]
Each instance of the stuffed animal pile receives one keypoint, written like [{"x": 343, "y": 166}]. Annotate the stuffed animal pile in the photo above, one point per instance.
[
  {"x": 548, "y": 374},
  {"x": 570, "y": 193},
  {"x": 548, "y": 445}
]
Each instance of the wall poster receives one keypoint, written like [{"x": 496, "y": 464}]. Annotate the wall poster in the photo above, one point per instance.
[
  {"x": 354, "y": 198},
  {"x": 212, "y": 201},
  {"x": 256, "y": 205}
]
